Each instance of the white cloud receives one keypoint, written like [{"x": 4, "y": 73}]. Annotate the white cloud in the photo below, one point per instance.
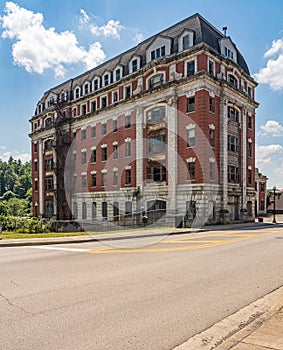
[
  {"x": 272, "y": 128},
  {"x": 267, "y": 154},
  {"x": 110, "y": 29},
  {"x": 6, "y": 154},
  {"x": 138, "y": 36},
  {"x": 272, "y": 74},
  {"x": 38, "y": 49}
]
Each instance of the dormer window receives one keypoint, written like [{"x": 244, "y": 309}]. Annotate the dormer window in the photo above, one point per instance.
[
  {"x": 64, "y": 96},
  {"x": 186, "y": 40},
  {"x": 77, "y": 93},
  {"x": 228, "y": 53},
  {"x": 160, "y": 47},
  {"x": 117, "y": 74},
  {"x": 95, "y": 84},
  {"x": 158, "y": 52},
  {"x": 86, "y": 89},
  {"x": 228, "y": 49},
  {"x": 106, "y": 79},
  {"x": 134, "y": 64}
]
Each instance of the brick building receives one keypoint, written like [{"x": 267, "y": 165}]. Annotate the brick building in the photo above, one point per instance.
[
  {"x": 261, "y": 187},
  {"x": 166, "y": 128}
]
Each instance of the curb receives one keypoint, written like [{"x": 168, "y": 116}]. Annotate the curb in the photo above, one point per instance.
[
  {"x": 230, "y": 331},
  {"x": 71, "y": 240}
]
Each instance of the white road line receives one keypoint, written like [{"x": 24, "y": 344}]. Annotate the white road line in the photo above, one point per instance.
[{"x": 60, "y": 248}]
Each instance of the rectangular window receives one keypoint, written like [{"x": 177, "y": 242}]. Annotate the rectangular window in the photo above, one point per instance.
[
  {"x": 191, "y": 104},
  {"x": 191, "y": 210},
  {"x": 115, "y": 151},
  {"x": 93, "y": 106},
  {"x": 93, "y": 156},
  {"x": 84, "y": 210},
  {"x": 127, "y": 92},
  {"x": 191, "y": 171},
  {"x": 262, "y": 205},
  {"x": 128, "y": 208},
  {"x": 191, "y": 137},
  {"x": 36, "y": 185},
  {"x": 83, "y": 157},
  {"x": 128, "y": 149},
  {"x": 103, "y": 129},
  {"x": 106, "y": 80},
  {"x": 211, "y": 104},
  {"x": 186, "y": 42},
  {"x": 118, "y": 74},
  {"x": 115, "y": 96},
  {"x": 84, "y": 110},
  {"x": 96, "y": 84},
  {"x": 190, "y": 68},
  {"x": 94, "y": 210},
  {"x": 262, "y": 187},
  {"x": 115, "y": 125},
  {"x": 232, "y": 144},
  {"x": 212, "y": 137},
  {"x": 250, "y": 122},
  {"x": 152, "y": 54},
  {"x": 35, "y": 166},
  {"x": 93, "y": 180},
  {"x": 250, "y": 149},
  {"x": 103, "y": 179},
  {"x": 116, "y": 211},
  {"x": 83, "y": 180},
  {"x": 35, "y": 147},
  {"x": 115, "y": 178},
  {"x": 233, "y": 174},
  {"x": 127, "y": 121},
  {"x": 249, "y": 176},
  {"x": 83, "y": 134},
  {"x": 104, "y": 210},
  {"x": 163, "y": 51},
  {"x": 93, "y": 131},
  {"x": 156, "y": 144},
  {"x": 233, "y": 114},
  {"x": 128, "y": 177},
  {"x": 104, "y": 102},
  {"x": 211, "y": 67},
  {"x": 134, "y": 65},
  {"x": 249, "y": 91},
  {"x": 48, "y": 164},
  {"x": 104, "y": 154},
  {"x": 86, "y": 89}
]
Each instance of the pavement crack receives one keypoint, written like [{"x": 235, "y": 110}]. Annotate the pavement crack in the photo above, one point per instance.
[{"x": 15, "y": 305}]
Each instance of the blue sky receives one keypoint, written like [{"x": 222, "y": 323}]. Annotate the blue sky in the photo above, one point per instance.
[{"x": 43, "y": 43}]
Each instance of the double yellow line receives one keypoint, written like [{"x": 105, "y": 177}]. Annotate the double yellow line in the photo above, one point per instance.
[{"x": 204, "y": 243}]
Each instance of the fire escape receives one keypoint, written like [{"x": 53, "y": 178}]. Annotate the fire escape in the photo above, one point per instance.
[{"x": 62, "y": 142}]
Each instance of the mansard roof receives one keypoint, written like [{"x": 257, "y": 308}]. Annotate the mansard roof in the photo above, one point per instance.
[{"x": 203, "y": 31}]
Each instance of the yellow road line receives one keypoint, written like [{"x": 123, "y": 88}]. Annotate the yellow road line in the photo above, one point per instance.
[{"x": 240, "y": 237}]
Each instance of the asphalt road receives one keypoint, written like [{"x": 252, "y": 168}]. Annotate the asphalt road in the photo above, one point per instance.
[{"x": 132, "y": 294}]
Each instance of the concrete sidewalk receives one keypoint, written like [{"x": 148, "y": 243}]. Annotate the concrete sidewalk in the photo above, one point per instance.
[{"x": 258, "y": 326}]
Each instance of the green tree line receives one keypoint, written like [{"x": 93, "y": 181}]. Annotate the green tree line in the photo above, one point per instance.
[{"x": 15, "y": 188}]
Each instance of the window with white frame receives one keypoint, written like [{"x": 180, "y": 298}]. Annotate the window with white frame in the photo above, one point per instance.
[
  {"x": 233, "y": 114},
  {"x": 128, "y": 147},
  {"x": 250, "y": 148},
  {"x": 106, "y": 79},
  {"x": 93, "y": 106},
  {"x": 191, "y": 104},
  {"x": 115, "y": 97},
  {"x": 127, "y": 91},
  {"x": 96, "y": 84},
  {"x": 233, "y": 174},
  {"x": 185, "y": 41},
  {"x": 233, "y": 144},
  {"x": 115, "y": 125},
  {"x": 103, "y": 153},
  {"x": 86, "y": 88},
  {"x": 118, "y": 74},
  {"x": 103, "y": 178},
  {"x": 93, "y": 131},
  {"x": 191, "y": 135},
  {"x": 115, "y": 150},
  {"x": 191, "y": 68},
  {"x": 83, "y": 134},
  {"x": 159, "y": 52},
  {"x": 103, "y": 129},
  {"x": 77, "y": 93},
  {"x": 211, "y": 67},
  {"x": 233, "y": 80},
  {"x": 191, "y": 175},
  {"x": 83, "y": 156},
  {"x": 127, "y": 121},
  {"x": 134, "y": 64}
]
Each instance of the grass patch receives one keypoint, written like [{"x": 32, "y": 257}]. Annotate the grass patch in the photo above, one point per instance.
[{"x": 15, "y": 235}]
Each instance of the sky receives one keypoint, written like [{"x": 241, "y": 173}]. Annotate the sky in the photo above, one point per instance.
[{"x": 43, "y": 43}]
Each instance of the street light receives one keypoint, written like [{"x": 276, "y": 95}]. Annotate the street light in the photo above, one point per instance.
[{"x": 274, "y": 195}]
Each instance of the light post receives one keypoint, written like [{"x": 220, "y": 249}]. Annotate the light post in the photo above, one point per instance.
[{"x": 274, "y": 206}]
